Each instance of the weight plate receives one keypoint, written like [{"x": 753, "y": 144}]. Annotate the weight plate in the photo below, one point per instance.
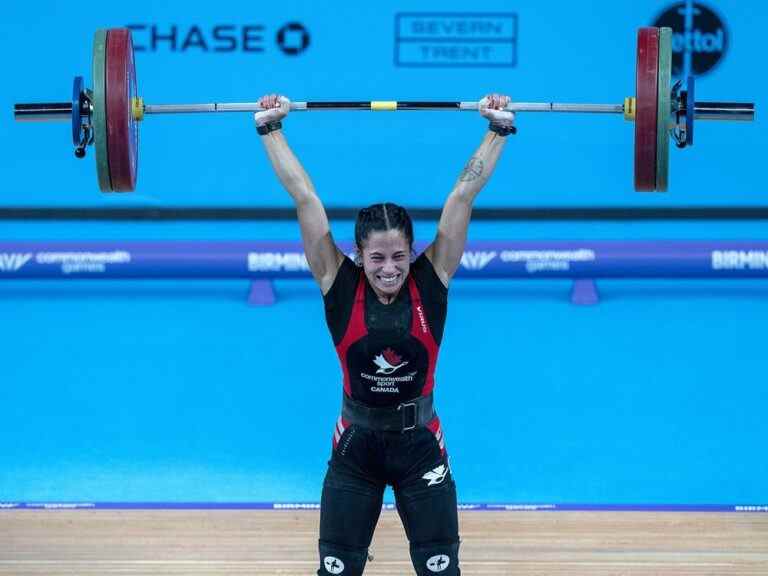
[
  {"x": 122, "y": 129},
  {"x": 664, "y": 109},
  {"x": 690, "y": 104},
  {"x": 77, "y": 90},
  {"x": 99, "y": 114},
  {"x": 646, "y": 126}
]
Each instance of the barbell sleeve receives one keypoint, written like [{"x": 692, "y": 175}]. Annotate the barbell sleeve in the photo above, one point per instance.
[
  {"x": 43, "y": 112},
  {"x": 731, "y": 111}
]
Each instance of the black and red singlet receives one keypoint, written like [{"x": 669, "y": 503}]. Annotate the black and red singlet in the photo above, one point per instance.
[{"x": 387, "y": 352}]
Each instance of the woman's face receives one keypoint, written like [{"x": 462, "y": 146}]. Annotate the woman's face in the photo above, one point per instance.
[{"x": 386, "y": 260}]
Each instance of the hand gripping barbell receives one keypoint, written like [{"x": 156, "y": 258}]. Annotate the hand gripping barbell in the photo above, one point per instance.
[{"x": 108, "y": 115}]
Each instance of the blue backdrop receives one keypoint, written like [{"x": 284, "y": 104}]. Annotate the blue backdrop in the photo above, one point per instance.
[
  {"x": 169, "y": 391},
  {"x": 562, "y": 53}
]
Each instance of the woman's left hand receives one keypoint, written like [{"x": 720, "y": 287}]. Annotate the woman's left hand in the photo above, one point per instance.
[{"x": 493, "y": 107}]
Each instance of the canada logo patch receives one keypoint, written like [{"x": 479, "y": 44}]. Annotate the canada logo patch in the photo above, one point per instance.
[{"x": 388, "y": 361}]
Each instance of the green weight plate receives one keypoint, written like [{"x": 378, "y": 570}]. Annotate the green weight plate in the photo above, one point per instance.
[
  {"x": 664, "y": 112},
  {"x": 99, "y": 114}
]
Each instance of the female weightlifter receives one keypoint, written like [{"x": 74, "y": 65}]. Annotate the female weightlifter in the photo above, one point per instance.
[{"x": 386, "y": 313}]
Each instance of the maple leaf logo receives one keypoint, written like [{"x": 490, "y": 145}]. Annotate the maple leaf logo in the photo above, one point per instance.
[
  {"x": 388, "y": 361},
  {"x": 392, "y": 357}
]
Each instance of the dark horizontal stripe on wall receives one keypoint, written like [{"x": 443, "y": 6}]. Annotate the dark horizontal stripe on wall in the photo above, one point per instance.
[{"x": 346, "y": 213}]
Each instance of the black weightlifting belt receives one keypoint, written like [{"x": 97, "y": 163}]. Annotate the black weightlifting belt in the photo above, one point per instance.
[{"x": 406, "y": 416}]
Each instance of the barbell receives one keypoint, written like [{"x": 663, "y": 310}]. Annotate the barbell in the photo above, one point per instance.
[{"x": 108, "y": 115}]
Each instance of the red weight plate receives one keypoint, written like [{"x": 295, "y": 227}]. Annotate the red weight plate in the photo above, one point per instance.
[
  {"x": 122, "y": 129},
  {"x": 647, "y": 92}
]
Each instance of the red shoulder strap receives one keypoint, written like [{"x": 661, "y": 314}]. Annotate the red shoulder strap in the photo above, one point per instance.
[
  {"x": 420, "y": 330},
  {"x": 355, "y": 330}
]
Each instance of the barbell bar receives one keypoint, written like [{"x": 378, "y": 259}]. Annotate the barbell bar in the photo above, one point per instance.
[
  {"x": 61, "y": 111},
  {"x": 108, "y": 115}
]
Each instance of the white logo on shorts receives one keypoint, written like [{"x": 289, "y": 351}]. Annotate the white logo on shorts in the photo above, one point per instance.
[
  {"x": 333, "y": 565},
  {"x": 438, "y": 563},
  {"x": 437, "y": 475}
]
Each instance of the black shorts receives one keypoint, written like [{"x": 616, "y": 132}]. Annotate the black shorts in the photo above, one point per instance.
[{"x": 363, "y": 463}]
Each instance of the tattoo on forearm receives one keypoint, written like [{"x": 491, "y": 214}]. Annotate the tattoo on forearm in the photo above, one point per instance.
[{"x": 473, "y": 170}]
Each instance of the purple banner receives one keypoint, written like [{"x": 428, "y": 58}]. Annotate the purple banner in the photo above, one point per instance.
[{"x": 481, "y": 259}]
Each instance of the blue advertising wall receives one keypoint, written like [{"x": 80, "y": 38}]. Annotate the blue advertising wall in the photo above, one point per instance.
[
  {"x": 565, "y": 52},
  {"x": 173, "y": 391}
]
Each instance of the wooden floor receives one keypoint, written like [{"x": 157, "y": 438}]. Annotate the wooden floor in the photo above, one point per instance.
[{"x": 258, "y": 543}]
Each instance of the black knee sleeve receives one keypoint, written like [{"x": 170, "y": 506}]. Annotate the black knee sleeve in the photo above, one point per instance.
[
  {"x": 436, "y": 558},
  {"x": 342, "y": 560}
]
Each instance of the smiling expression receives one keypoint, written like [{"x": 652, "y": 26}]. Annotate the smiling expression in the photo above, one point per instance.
[{"x": 386, "y": 260}]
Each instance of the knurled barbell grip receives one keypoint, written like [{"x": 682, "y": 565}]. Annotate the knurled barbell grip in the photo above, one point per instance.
[
  {"x": 732, "y": 111},
  {"x": 383, "y": 105}
]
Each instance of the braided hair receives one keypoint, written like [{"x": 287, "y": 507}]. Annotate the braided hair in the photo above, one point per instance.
[{"x": 380, "y": 218}]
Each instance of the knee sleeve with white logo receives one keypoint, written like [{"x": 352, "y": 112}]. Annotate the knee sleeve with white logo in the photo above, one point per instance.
[
  {"x": 341, "y": 560},
  {"x": 436, "y": 558}
]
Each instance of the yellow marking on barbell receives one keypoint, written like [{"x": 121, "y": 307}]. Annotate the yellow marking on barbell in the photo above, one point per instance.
[
  {"x": 629, "y": 108},
  {"x": 137, "y": 106},
  {"x": 383, "y": 105}
]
